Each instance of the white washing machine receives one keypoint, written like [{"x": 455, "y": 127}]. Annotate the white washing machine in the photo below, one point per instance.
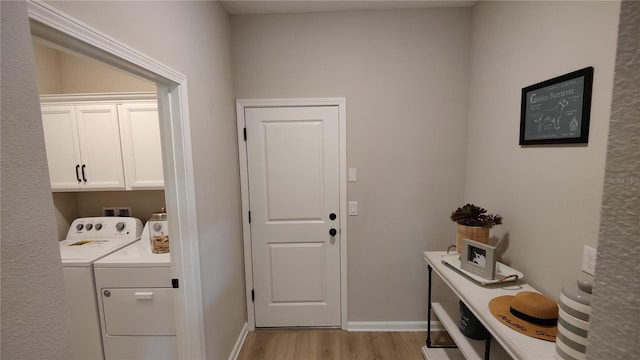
[
  {"x": 88, "y": 240},
  {"x": 135, "y": 296}
]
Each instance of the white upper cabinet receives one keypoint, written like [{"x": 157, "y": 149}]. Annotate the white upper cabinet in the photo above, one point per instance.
[
  {"x": 96, "y": 144},
  {"x": 63, "y": 147},
  {"x": 141, "y": 149},
  {"x": 99, "y": 135}
]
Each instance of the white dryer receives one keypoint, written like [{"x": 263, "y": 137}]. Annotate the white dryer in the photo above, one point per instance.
[
  {"x": 135, "y": 296},
  {"x": 88, "y": 240}
]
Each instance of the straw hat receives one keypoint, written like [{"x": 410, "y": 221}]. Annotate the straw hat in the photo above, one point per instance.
[{"x": 527, "y": 312}]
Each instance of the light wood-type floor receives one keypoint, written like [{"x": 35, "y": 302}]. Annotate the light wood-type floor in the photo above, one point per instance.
[{"x": 331, "y": 344}]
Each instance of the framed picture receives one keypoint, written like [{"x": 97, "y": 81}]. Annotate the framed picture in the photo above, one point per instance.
[
  {"x": 478, "y": 258},
  {"x": 557, "y": 111}
]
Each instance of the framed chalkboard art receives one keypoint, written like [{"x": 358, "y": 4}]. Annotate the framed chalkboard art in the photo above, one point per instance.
[{"x": 557, "y": 111}]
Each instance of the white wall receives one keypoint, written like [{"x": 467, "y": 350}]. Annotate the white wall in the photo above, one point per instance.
[
  {"x": 47, "y": 69},
  {"x": 550, "y": 196},
  {"x": 62, "y": 73},
  {"x": 193, "y": 38},
  {"x": 83, "y": 75},
  {"x": 615, "y": 318},
  {"x": 34, "y": 317},
  {"x": 71, "y": 205},
  {"x": 66, "y": 210},
  {"x": 405, "y": 76},
  {"x": 371, "y": 58}
]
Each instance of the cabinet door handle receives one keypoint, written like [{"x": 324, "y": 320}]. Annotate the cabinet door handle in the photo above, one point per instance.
[
  {"x": 77, "y": 173},
  {"x": 83, "y": 176}
]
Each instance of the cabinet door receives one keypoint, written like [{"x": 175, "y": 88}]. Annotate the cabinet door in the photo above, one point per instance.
[
  {"x": 141, "y": 149},
  {"x": 63, "y": 149},
  {"x": 99, "y": 136}
]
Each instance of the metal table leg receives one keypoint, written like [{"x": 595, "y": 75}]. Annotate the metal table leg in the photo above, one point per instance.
[
  {"x": 428, "y": 342},
  {"x": 487, "y": 346}
]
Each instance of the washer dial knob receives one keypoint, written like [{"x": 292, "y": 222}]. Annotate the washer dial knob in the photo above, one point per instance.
[{"x": 120, "y": 226}]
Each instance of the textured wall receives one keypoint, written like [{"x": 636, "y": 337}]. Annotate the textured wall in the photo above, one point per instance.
[
  {"x": 616, "y": 302},
  {"x": 34, "y": 319}
]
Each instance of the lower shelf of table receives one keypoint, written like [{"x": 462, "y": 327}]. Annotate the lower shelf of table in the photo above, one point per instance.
[
  {"x": 441, "y": 354},
  {"x": 468, "y": 348}
]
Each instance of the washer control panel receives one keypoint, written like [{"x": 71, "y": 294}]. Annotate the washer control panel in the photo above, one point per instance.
[{"x": 105, "y": 227}]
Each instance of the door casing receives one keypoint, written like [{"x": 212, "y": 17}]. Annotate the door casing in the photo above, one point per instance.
[{"x": 341, "y": 103}]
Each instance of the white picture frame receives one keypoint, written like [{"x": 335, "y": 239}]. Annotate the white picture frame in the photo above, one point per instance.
[{"x": 478, "y": 258}]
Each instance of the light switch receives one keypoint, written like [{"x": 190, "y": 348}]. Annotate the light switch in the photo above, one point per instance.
[
  {"x": 353, "y": 208},
  {"x": 352, "y": 175}
]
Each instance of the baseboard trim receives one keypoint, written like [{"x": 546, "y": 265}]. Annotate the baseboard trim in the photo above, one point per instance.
[
  {"x": 239, "y": 342},
  {"x": 392, "y": 326}
]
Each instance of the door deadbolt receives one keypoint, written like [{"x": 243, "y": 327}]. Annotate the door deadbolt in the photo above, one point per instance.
[{"x": 332, "y": 216}]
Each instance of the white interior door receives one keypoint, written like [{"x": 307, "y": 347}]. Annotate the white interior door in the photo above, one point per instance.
[{"x": 293, "y": 171}]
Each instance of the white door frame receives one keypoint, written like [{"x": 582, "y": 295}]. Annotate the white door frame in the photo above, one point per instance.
[
  {"x": 341, "y": 103},
  {"x": 60, "y": 30}
]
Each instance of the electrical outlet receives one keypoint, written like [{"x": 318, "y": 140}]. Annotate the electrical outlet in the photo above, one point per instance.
[
  {"x": 124, "y": 211},
  {"x": 589, "y": 260},
  {"x": 116, "y": 211}
]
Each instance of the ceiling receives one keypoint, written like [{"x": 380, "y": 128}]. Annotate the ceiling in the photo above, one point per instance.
[{"x": 243, "y": 7}]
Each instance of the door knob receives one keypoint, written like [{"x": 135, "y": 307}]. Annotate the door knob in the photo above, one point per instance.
[
  {"x": 332, "y": 216},
  {"x": 333, "y": 232}
]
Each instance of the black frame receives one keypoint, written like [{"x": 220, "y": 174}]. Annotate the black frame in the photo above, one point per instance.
[{"x": 532, "y": 110}]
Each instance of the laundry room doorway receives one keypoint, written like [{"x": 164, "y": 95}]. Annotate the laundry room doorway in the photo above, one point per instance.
[
  {"x": 292, "y": 160},
  {"x": 58, "y": 30}
]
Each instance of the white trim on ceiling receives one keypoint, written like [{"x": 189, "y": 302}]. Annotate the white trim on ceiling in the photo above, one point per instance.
[
  {"x": 69, "y": 34},
  {"x": 114, "y": 96}
]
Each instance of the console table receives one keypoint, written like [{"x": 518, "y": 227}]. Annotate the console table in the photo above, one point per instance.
[{"x": 511, "y": 344}]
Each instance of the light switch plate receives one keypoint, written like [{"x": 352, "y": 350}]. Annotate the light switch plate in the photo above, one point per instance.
[
  {"x": 352, "y": 175},
  {"x": 353, "y": 208}
]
